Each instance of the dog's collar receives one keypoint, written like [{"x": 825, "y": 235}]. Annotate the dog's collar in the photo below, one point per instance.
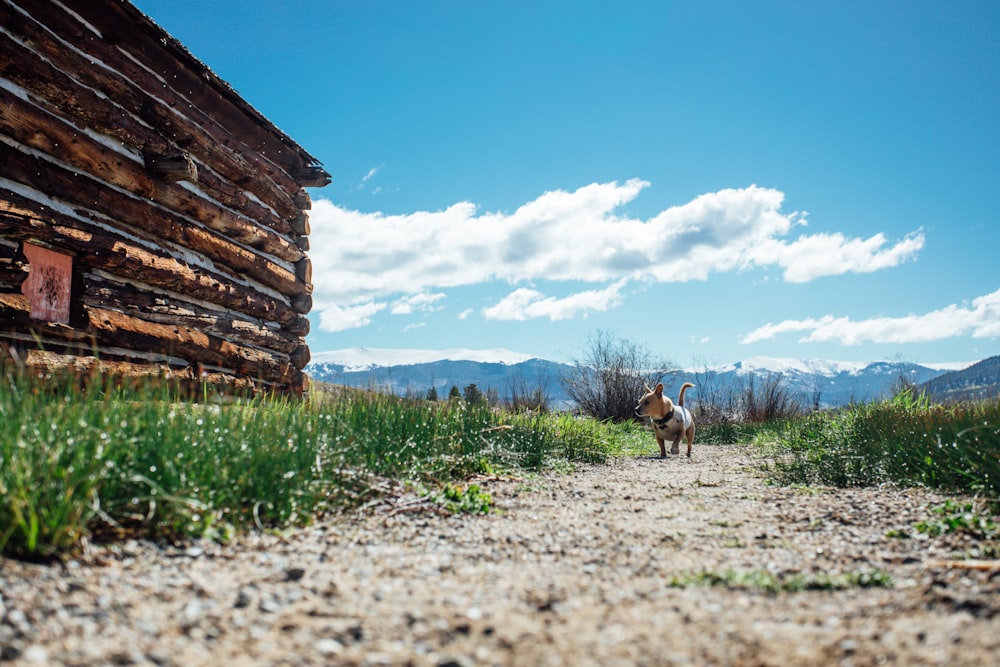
[{"x": 662, "y": 421}]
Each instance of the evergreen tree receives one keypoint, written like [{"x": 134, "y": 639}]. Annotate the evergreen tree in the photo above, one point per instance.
[
  {"x": 473, "y": 396},
  {"x": 432, "y": 393},
  {"x": 454, "y": 393}
]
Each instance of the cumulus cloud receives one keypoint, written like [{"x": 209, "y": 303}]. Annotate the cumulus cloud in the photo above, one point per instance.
[
  {"x": 416, "y": 302},
  {"x": 579, "y": 236},
  {"x": 333, "y": 317},
  {"x": 981, "y": 319},
  {"x": 818, "y": 255},
  {"x": 525, "y": 304}
]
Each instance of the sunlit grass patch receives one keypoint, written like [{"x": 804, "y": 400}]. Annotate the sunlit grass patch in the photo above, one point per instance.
[
  {"x": 106, "y": 462},
  {"x": 955, "y": 448}
]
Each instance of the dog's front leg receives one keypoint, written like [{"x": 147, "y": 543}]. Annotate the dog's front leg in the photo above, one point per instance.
[
  {"x": 676, "y": 447},
  {"x": 663, "y": 447}
]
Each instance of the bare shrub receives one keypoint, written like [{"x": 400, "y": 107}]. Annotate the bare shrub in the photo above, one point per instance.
[
  {"x": 612, "y": 376},
  {"x": 767, "y": 398},
  {"x": 524, "y": 397},
  {"x": 717, "y": 401}
]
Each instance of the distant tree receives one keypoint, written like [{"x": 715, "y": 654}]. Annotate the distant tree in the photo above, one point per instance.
[
  {"x": 432, "y": 393},
  {"x": 454, "y": 393},
  {"x": 472, "y": 395}
]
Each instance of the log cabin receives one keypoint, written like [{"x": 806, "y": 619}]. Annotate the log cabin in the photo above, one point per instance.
[{"x": 152, "y": 222}]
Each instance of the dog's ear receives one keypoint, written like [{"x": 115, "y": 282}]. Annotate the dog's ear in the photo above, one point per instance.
[{"x": 659, "y": 389}]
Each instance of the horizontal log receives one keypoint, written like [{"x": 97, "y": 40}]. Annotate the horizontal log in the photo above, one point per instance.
[
  {"x": 298, "y": 327},
  {"x": 186, "y": 126},
  {"x": 120, "y": 255},
  {"x": 302, "y": 303},
  {"x": 171, "y": 168},
  {"x": 111, "y": 329},
  {"x": 300, "y": 224},
  {"x": 311, "y": 177},
  {"x": 146, "y": 44},
  {"x": 302, "y": 200},
  {"x": 12, "y": 271},
  {"x": 304, "y": 270},
  {"x": 300, "y": 357},
  {"x": 120, "y": 72},
  {"x": 156, "y": 225},
  {"x": 44, "y": 132},
  {"x": 82, "y": 364},
  {"x": 187, "y": 342},
  {"x": 99, "y": 291}
]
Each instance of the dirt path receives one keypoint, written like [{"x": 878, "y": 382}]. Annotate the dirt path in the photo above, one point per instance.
[{"x": 575, "y": 570}]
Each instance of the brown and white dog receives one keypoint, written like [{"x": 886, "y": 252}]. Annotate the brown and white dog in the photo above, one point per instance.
[{"x": 670, "y": 421}]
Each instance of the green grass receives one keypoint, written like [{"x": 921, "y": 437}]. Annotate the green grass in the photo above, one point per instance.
[
  {"x": 958, "y": 517},
  {"x": 953, "y": 448},
  {"x": 103, "y": 462},
  {"x": 471, "y": 499}
]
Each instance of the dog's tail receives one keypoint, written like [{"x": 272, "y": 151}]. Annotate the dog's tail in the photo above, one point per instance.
[{"x": 680, "y": 397}]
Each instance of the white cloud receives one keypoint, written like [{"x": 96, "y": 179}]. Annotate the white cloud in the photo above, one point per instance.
[
  {"x": 423, "y": 302},
  {"x": 360, "y": 257},
  {"x": 335, "y": 318},
  {"x": 980, "y": 319},
  {"x": 367, "y": 177},
  {"x": 526, "y": 304},
  {"x": 818, "y": 255}
]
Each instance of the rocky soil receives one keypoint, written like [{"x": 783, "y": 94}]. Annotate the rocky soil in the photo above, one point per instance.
[{"x": 597, "y": 567}]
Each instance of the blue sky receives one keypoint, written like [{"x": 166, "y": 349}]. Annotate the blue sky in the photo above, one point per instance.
[{"x": 711, "y": 180}]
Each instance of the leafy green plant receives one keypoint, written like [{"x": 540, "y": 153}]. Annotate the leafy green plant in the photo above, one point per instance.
[
  {"x": 470, "y": 499},
  {"x": 956, "y": 517}
]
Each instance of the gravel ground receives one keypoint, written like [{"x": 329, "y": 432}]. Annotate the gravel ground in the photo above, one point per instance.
[{"x": 574, "y": 569}]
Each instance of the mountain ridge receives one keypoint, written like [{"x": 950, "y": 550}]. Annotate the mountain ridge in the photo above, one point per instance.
[{"x": 413, "y": 372}]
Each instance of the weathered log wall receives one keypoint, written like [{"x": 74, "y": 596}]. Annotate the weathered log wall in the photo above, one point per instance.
[{"x": 182, "y": 207}]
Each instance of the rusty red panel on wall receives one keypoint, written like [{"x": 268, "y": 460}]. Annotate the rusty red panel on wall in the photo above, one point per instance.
[{"x": 50, "y": 279}]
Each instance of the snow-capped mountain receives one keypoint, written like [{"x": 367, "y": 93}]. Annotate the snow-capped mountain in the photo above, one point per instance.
[
  {"x": 366, "y": 358},
  {"x": 414, "y": 372},
  {"x": 825, "y": 382}
]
